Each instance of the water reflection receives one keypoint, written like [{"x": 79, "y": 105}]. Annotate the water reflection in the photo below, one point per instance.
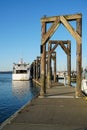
[
  {"x": 20, "y": 88},
  {"x": 14, "y": 95}
]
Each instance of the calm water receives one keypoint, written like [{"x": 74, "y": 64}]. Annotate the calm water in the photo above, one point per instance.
[{"x": 14, "y": 94}]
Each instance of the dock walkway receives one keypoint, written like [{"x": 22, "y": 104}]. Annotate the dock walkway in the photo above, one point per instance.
[{"x": 58, "y": 110}]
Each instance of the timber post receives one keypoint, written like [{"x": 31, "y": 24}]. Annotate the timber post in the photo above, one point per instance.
[
  {"x": 34, "y": 69},
  {"x": 49, "y": 67},
  {"x": 43, "y": 62},
  {"x": 69, "y": 63},
  {"x": 39, "y": 66},
  {"x": 37, "y": 69},
  {"x": 79, "y": 58},
  {"x": 55, "y": 67},
  {"x": 46, "y": 65},
  {"x": 31, "y": 71}
]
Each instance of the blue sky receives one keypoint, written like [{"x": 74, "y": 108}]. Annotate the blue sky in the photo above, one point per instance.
[{"x": 20, "y": 30}]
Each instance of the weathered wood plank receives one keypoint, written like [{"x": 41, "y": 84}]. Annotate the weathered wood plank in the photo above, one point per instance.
[
  {"x": 68, "y": 17},
  {"x": 70, "y": 28},
  {"x": 58, "y": 41}
]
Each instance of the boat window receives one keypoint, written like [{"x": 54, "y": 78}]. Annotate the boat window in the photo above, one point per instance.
[{"x": 21, "y": 71}]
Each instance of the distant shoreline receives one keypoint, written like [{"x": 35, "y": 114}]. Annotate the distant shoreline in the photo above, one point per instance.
[{"x": 2, "y": 72}]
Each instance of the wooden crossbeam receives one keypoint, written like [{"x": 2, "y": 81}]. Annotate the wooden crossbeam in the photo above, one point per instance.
[
  {"x": 55, "y": 46},
  {"x": 68, "y": 17},
  {"x": 51, "y": 31},
  {"x": 58, "y": 41},
  {"x": 67, "y": 51},
  {"x": 61, "y": 43},
  {"x": 70, "y": 28}
]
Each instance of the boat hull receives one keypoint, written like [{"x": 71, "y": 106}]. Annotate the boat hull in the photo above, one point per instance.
[
  {"x": 20, "y": 77},
  {"x": 84, "y": 86}
]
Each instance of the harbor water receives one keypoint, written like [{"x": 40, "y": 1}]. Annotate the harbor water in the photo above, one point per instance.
[{"x": 14, "y": 95}]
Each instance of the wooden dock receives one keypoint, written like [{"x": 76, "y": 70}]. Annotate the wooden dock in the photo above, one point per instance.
[{"x": 57, "y": 110}]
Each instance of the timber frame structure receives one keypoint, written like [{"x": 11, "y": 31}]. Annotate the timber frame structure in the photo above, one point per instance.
[
  {"x": 66, "y": 46},
  {"x": 46, "y": 35}
]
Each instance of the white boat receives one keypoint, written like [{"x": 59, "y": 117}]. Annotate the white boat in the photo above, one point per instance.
[
  {"x": 21, "y": 71},
  {"x": 84, "y": 83},
  {"x": 84, "y": 86}
]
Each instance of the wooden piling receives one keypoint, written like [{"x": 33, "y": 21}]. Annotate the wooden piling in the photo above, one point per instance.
[
  {"x": 37, "y": 69},
  {"x": 34, "y": 69},
  {"x": 69, "y": 63},
  {"x": 49, "y": 67},
  {"x": 39, "y": 66},
  {"x": 79, "y": 58},
  {"x": 55, "y": 67},
  {"x": 43, "y": 63}
]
